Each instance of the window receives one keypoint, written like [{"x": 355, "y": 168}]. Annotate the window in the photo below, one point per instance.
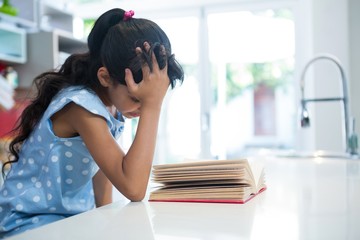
[
  {"x": 252, "y": 56},
  {"x": 238, "y": 93}
]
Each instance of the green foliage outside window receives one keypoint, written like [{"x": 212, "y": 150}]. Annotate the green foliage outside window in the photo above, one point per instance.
[
  {"x": 88, "y": 24},
  {"x": 272, "y": 74}
]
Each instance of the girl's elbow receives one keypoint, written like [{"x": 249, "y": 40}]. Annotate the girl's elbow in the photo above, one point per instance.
[
  {"x": 136, "y": 199},
  {"x": 135, "y": 193},
  {"x": 136, "y": 196}
]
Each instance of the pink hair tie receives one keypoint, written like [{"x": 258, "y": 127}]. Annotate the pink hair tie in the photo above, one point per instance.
[{"x": 128, "y": 15}]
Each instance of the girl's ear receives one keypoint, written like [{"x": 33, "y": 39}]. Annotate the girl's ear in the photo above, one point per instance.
[{"x": 104, "y": 77}]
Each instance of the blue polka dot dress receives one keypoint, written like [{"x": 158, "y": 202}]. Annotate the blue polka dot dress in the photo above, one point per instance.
[{"x": 53, "y": 178}]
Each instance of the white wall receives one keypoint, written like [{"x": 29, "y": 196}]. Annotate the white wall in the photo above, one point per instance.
[
  {"x": 354, "y": 60},
  {"x": 328, "y": 26}
]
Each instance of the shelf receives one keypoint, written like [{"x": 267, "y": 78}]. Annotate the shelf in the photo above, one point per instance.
[
  {"x": 67, "y": 42},
  {"x": 44, "y": 14},
  {"x": 39, "y": 39},
  {"x": 49, "y": 55},
  {"x": 12, "y": 44},
  {"x": 17, "y": 22},
  {"x": 27, "y": 14},
  {"x": 52, "y": 17}
]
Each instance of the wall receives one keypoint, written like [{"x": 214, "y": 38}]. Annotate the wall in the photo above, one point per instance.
[
  {"x": 354, "y": 51},
  {"x": 328, "y": 26}
]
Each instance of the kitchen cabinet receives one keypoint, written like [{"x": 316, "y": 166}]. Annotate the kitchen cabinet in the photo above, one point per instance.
[
  {"x": 45, "y": 14},
  {"x": 12, "y": 44},
  {"x": 47, "y": 51},
  {"x": 27, "y": 12},
  {"x": 54, "y": 17},
  {"x": 39, "y": 39}
]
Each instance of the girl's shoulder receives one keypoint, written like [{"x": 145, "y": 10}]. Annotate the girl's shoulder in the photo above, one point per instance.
[
  {"x": 81, "y": 96},
  {"x": 87, "y": 99},
  {"x": 72, "y": 91}
]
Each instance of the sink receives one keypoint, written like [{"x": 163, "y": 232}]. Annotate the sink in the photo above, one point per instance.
[
  {"x": 315, "y": 154},
  {"x": 292, "y": 153}
]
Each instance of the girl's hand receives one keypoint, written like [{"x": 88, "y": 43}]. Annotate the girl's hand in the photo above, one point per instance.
[{"x": 152, "y": 89}]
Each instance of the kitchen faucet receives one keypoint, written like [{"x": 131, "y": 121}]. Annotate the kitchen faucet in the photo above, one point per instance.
[{"x": 350, "y": 141}]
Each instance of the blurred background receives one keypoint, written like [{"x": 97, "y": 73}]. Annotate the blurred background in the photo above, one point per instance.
[{"x": 242, "y": 61}]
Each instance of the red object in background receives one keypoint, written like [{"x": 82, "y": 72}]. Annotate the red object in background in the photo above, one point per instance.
[
  {"x": 265, "y": 111},
  {"x": 2, "y": 67},
  {"x": 8, "y": 119}
]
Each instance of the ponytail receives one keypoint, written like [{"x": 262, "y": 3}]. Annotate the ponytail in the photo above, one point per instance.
[
  {"x": 73, "y": 72},
  {"x": 101, "y": 28}
]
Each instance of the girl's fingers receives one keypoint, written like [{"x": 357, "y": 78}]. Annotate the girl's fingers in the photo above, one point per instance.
[
  {"x": 129, "y": 79},
  {"x": 154, "y": 60},
  {"x": 163, "y": 55},
  {"x": 144, "y": 67},
  {"x": 147, "y": 46}
]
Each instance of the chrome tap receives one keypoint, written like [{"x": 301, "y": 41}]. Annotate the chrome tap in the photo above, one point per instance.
[{"x": 305, "y": 119}]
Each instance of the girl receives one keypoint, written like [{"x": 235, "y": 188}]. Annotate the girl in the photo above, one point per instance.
[{"x": 65, "y": 157}]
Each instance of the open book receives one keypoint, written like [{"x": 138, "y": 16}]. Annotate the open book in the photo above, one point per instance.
[{"x": 222, "y": 181}]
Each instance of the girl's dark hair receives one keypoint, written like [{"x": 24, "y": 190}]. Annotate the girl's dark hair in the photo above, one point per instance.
[{"x": 111, "y": 43}]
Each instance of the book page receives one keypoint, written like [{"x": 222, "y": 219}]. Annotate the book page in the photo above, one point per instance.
[
  {"x": 257, "y": 169},
  {"x": 200, "y": 164}
]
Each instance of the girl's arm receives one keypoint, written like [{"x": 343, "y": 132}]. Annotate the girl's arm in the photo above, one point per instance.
[{"x": 102, "y": 189}]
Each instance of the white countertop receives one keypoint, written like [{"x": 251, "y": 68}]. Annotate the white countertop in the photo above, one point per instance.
[{"x": 305, "y": 199}]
